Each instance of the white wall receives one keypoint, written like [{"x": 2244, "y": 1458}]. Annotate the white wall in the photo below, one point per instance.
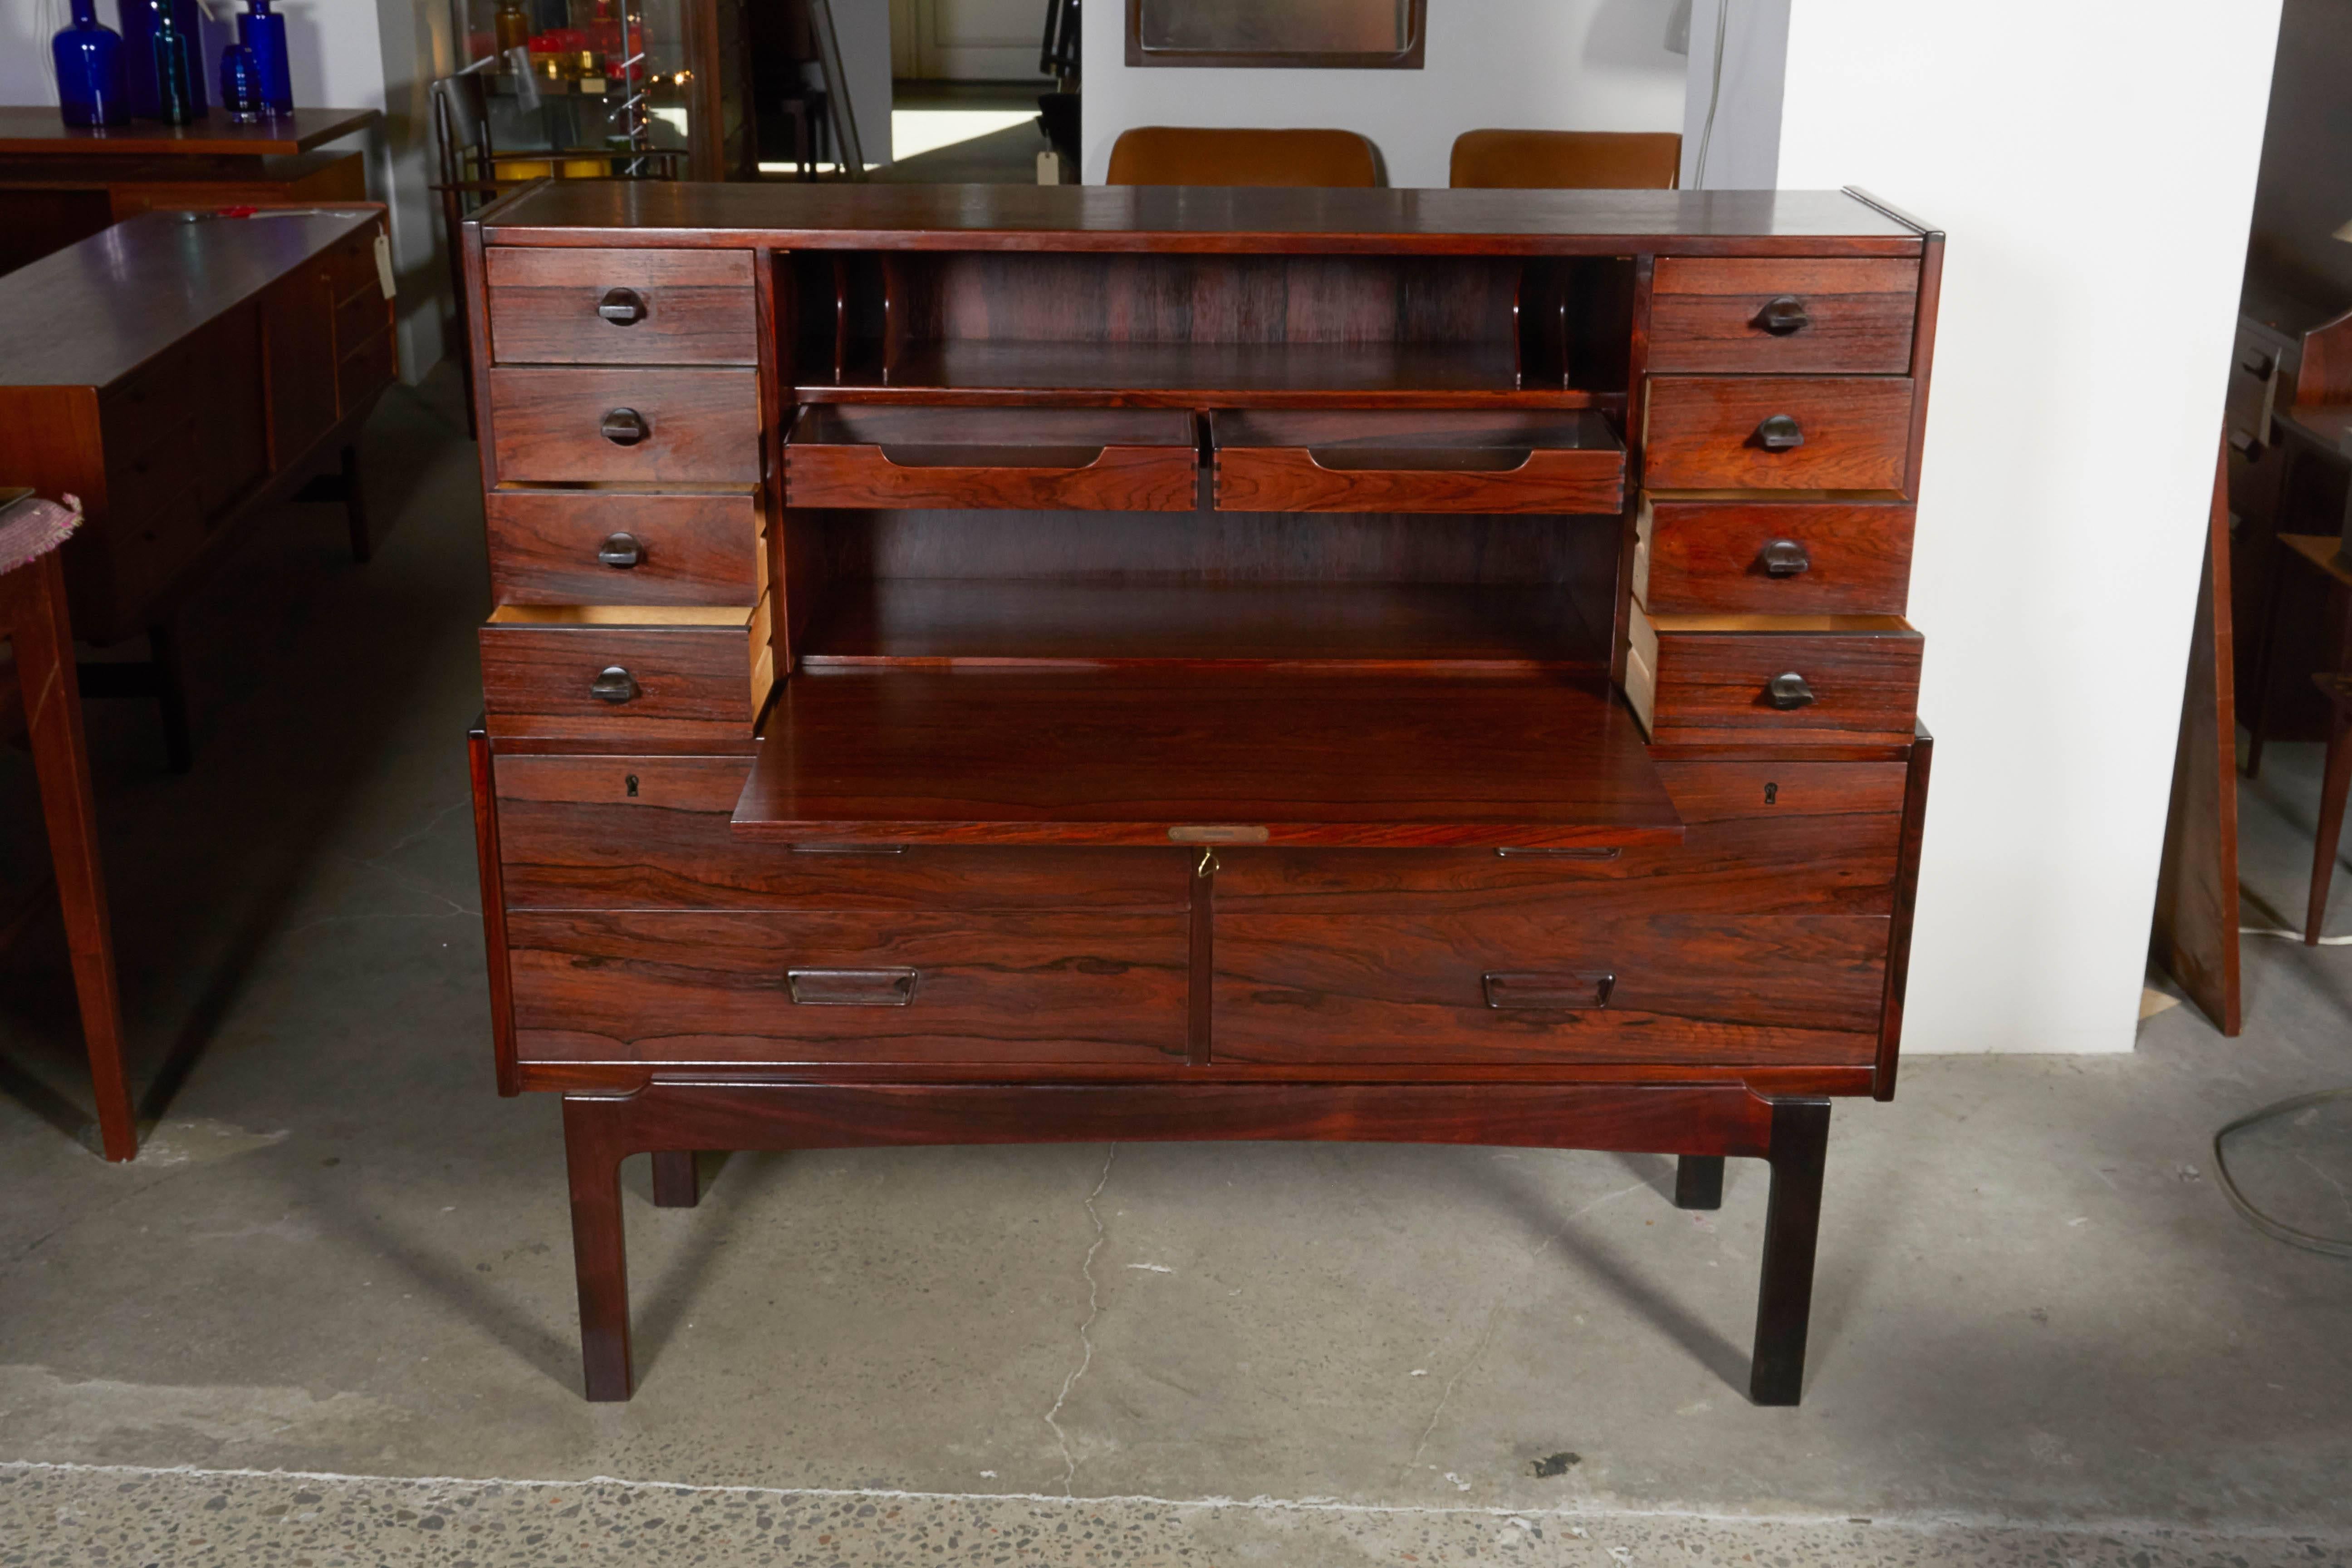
[
  {"x": 1567, "y": 65},
  {"x": 2094, "y": 168}
]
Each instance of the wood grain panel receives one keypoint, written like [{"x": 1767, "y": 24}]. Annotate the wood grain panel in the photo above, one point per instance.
[
  {"x": 704, "y": 425},
  {"x": 697, "y": 549},
  {"x": 1703, "y": 315},
  {"x": 1707, "y": 557},
  {"x": 696, "y": 987},
  {"x": 1703, "y": 433},
  {"x": 1411, "y": 988},
  {"x": 1697, "y": 678},
  {"x": 698, "y": 306}
]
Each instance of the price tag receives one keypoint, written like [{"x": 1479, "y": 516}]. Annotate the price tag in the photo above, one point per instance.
[{"x": 383, "y": 265}]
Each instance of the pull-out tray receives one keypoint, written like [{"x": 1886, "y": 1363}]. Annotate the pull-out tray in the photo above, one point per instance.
[
  {"x": 1371, "y": 461},
  {"x": 1160, "y": 757},
  {"x": 1126, "y": 460}
]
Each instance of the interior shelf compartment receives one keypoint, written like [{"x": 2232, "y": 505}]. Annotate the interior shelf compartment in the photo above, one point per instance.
[
  {"x": 1123, "y": 460},
  {"x": 1567, "y": 461},
  {"x": 1203, "y": 757},
  {"x": 944, "y": 622}
]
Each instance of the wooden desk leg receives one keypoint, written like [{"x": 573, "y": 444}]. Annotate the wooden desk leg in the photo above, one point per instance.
[
  {"x": 592, "y": 1150},
  {"x": 2333, "y": 788},
  {"x": 44, "y": 671},
  {"x": 2265, "y": 640},
  {"x": 1792, "y": 1223},
  {"x": 677, "y": 1183},
  {"x": 1698, "y": 1182},
  {"x": 170, "y": 697},
  {"x": 355, "y": 506}
]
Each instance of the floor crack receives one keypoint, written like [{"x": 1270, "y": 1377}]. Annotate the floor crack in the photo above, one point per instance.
[{"x": 1086, "y": 1330}]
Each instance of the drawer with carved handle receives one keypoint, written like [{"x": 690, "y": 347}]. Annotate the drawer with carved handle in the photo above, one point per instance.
[
  {"x": 1120, "y": 459},
  {"x": 673, "y": 672},
  {"x": 1777, "y": 433},
  {"x": 685, "y": 988},
  {"x": 596, "y": 306},
  {"x": 1755, "y": 316},
  {"x": 1774, "y": 558},
  {"x": 658, "y": 425},
  {"x": 1830, "y": 679},
  {"x": 1568, "y": 461},
  {"x": 619, "y": 545}
]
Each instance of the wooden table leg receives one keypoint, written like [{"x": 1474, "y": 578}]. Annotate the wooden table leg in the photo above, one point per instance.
[
  {"x": 2265, "y": 640},
  {"x": 2333, "y": 788},
  {"x": 355, "y": 506},
  {"x": 677, "y": 1183},
  {"x": 170, "y": 697},
  {"x": 1698, "y": 1182},
  {"x": 1792, "y": 1223},
  {"x": 44, "y": 673},
  {"x": 592, "y": 1154}
]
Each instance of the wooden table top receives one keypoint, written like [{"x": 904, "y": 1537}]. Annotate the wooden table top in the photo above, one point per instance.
[
  {"x": 36, "y": 128},
  {"x": 96, "y": 310}
]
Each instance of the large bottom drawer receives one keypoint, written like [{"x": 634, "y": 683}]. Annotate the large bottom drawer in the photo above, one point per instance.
[{"x": 847, "y": 988}]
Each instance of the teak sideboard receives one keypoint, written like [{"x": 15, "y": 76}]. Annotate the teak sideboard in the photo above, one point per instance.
[{"x": 999, "y": 664}]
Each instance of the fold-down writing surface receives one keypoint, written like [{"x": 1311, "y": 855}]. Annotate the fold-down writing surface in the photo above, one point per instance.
[{"x": 1155, "y": 757}]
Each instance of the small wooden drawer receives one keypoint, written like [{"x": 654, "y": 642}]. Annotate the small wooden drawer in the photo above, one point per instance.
[
  {"x": 785, "y": 989},
  {"x": 351, "y": 265},
  {"x": 360, "y": 318},
  {"x": 1552, "y": 980},
  {"x": 1778, "y": 432},
  {"x": 1777, "y": 317},
  {"x": 656, "y": 426},
  {"x": 1806, "y": 678},
  {"x": 552, "y": 305},
  {"x": 1119, "y": 459},
  {"x": 1365, "y": 461},
  {"x": 652, "y": 833},
  {"x": 1792, "y": 558},
  {"x": 649, "y": 669},
  {"x": 623, "y": 546}
]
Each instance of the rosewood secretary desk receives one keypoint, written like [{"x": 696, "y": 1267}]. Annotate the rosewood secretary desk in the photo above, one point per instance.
[{"x": 996, "y": 664}]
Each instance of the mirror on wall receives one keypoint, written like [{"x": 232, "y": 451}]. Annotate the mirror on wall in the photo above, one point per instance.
[{"x": 1343, "y": 33}]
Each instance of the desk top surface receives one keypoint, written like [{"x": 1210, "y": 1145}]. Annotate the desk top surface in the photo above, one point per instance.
[
  {"x": 1198, "y": 219},
  {"x": 96, "y": 310},
  {"x": 36, "y": 128}
]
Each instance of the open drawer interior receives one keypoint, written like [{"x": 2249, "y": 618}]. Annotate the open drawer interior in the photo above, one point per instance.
[
  {"x": 1145, "y": 756},
  {"x": 1560, "y": 460}
]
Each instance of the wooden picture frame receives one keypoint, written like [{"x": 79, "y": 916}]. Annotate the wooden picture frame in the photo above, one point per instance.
[{"x": 1411, "y": 19}]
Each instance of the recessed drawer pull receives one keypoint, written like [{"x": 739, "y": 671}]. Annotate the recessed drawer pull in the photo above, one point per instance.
[
  {"x": 1571, "y": 852},
  {"x": 851, "y": 987},
  {"x": 1548, "y": 993},
  {"x": 1785, "y": 558},
  {"x": 626, "y": 427},
  {"x": 621, "y": 550},
  {"x": 1784, "y": 315},
  {"x": 622, "y": 307},
  {"x": 1778, "y": 433},
  {"x": 1789, "y": 692},
  {"x": 614, "y": 684},
  {"x": 849, "y": 848}
]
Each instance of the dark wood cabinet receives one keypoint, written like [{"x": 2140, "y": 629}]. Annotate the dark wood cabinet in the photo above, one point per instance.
[{"x": 997, "y": 665}]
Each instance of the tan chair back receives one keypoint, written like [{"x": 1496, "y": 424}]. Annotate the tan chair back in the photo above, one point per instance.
[
  {"x": 1194, "y": 156},
  {"x": 1567, "y": 160}
]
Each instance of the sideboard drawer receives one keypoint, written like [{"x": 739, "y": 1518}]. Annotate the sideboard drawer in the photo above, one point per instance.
[
  {"x": 562, "y": 306},
  {"x": 652, "y": 833},
  {"x": 1568, "y": 461},
  {"x": 650, "y": 426},
  {"x": 624, "y": 547},
  {"x": 1777, "y": 317},
  {"x": 1070, "y": 459},
  {"x": 1774, "y": 558},
  {"x": 1807, "y": 678},
  {"x": 1778, "y": 432},
  {"x": 846, "y": 988},
  {"x": 1549, "y": 982},
  {"x": 621, "y": 670}
]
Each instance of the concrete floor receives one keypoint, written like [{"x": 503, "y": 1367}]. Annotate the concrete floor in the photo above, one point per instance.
[{"x": 2040, "y": 1331}]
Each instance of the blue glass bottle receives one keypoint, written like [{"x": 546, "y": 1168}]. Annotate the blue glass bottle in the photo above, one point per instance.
[
  {"x": 92, "y": 88},
  {"x": 263, "y": 31},
  {"x": 240, "y": 85},
  {"x": 177, "y": 100}
]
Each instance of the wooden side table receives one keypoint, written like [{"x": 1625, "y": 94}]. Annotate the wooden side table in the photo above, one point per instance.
[{"x": 33, "y": 618}]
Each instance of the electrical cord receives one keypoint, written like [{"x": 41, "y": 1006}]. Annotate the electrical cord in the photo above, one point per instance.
[
  {"x": 2277, "y": 1230},
  {"x": 2294, "y": 936},
  {"x": 1714, "y": 94}
]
